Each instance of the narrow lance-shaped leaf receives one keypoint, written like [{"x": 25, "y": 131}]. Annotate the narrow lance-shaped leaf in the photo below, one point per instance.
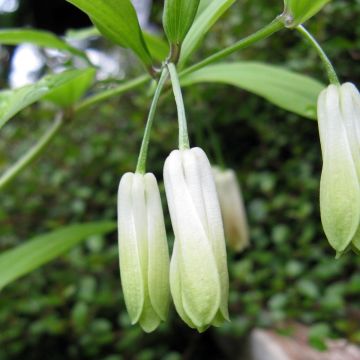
[
  {"x": 117, "y": 21},
  {"x": 39, "y": 38},
  {"x": 40, "y": 250},
  {"x": 157, "y": 46},
  {"x": 297, "y": 12},
  {"x": 178, "y": 18},
  {"x": 203, "y": 23},
  {"x": 288, "y": 90},
  {"x": 13, "y": 101}
]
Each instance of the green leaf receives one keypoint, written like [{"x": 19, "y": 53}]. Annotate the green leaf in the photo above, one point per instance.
[
  {"x": 72, "y": 91},
  {"x": 297, "y": 12},
  {"x": 37, "y": 37},
  {"x": 158, "y": 48},
  {"x": 203, "y": 5},
  {"x": 178, "y": 18},
  {"x": 288, "y": 90},
  {"x": 117, "y": 21},
  {"x": 12, "y": 101},
  {"x": 40, "y": 250},
  {"x": 211, "y": 13}
]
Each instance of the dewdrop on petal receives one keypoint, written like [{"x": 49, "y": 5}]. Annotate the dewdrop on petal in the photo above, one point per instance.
[
  {"x": 143, "y": 250},
  {"x": 198, "y": 272},
  {"x": 232, "y": 209},
  {"x": 338, "y": 120}
]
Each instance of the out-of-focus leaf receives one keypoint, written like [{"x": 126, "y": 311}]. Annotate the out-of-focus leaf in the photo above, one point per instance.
[
  {"x": 117, "y": 20},
  {"x": 286, "y": 89},
  {"x": 37, "y": 37},
  {"x": 72, "y": 91},
  {"x": 158, "y": 48},
  {"x": 298, "y": 11},
  {"x": 44, "y": 248},
  {"x": 178, "y": 18},
  {"x": 12, "y": 101},
  {"x": 201, "y": 26}
]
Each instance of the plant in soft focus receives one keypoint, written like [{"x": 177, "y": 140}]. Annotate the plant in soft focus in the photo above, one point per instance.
[
  {"x": 339, "y": 128},
  {"x": 143, "y": 250},
  {"x": 198, "y": 274},
  {"x": 232, "y": 209}
]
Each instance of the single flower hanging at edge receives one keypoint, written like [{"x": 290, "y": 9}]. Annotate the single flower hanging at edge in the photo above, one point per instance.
[
  {"x": 339, "y": 128},
  {"x": 232, "y": 209},
  {"x": 198, "y": 272},
  {"x": 143, "y": 250}
]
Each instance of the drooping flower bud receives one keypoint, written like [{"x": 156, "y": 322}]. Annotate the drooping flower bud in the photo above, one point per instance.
[
  {"x": 198, "y": 272},
  {"x": 232, "y": 209},
  {"x": 339, "y": 128},
  {"x": 143, "y": 250}
]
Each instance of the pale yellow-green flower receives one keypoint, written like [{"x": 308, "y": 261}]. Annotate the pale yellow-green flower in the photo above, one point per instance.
[
  {"x": 339, "y": 128},
  {"x": 232, "y": 209},
  {"x": 143, "y": 250},
  {"x": 198, "y": 272}
]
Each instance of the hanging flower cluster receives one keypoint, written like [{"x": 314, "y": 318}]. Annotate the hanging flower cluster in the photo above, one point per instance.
[{"x": 206, "y": 204}]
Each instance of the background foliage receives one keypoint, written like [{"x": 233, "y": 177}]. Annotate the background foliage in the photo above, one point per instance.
[{"x": 73, "y": 307}]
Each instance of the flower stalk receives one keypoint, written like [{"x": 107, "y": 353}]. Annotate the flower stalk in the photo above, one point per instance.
[{"x": 183, "y": 132}]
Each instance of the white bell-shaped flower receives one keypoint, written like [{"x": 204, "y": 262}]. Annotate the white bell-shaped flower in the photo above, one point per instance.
[
  {"x": 339, "y": 128},
  {"x": 143, "y": 250},
  {"x": 198, "y": 272},
  {"x": 232, "y": 209}
]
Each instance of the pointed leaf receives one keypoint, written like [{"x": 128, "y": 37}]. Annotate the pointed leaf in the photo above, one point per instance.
[
  {"x": 117, "y": 20},
  {"x": 12, "y": 101},
  {"x": 72, "y": 91},
  {"x": 37, "y": 37},
  {"x": 288, "y": 90},
  {"x": 158, "y": 48},
  {"x": 205, "y": 20},
  {"x": 40, "y": 250},
  {"x": 178, "y": 18}
]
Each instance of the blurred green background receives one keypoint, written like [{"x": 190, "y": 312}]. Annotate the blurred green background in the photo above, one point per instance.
[{"x": 73, "y": 308}]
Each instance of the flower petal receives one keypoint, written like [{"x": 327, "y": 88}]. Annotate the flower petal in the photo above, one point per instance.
[
  {"x": 130, "y": 269},
  {"x": 339, "y": 187},
  {"x": 159, "y": 262}
]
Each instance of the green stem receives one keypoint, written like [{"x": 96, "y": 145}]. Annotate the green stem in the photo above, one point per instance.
[
  {"x": 261, "y": 34},
  {"x": 141, "y": 164},
  {"x": 331, "y": 73},
  {"x": 129, "y": 85},
  {"x": 183, "y": 132},
  {"x": 33, "y": 153}
]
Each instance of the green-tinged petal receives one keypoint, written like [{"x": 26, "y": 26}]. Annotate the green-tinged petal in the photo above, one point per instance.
[
  {"x": 149, "y": 319},
  {"x": 159, "y": 262},
  {"x": 215, "y": 229},
  {"x": 350, "y": 109},
  {"x": 339, "y": 187},
  {"x": 130, "y": 269},
  {"x": 197, "y": 266},
  {"x": 175, "y": 285}
]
